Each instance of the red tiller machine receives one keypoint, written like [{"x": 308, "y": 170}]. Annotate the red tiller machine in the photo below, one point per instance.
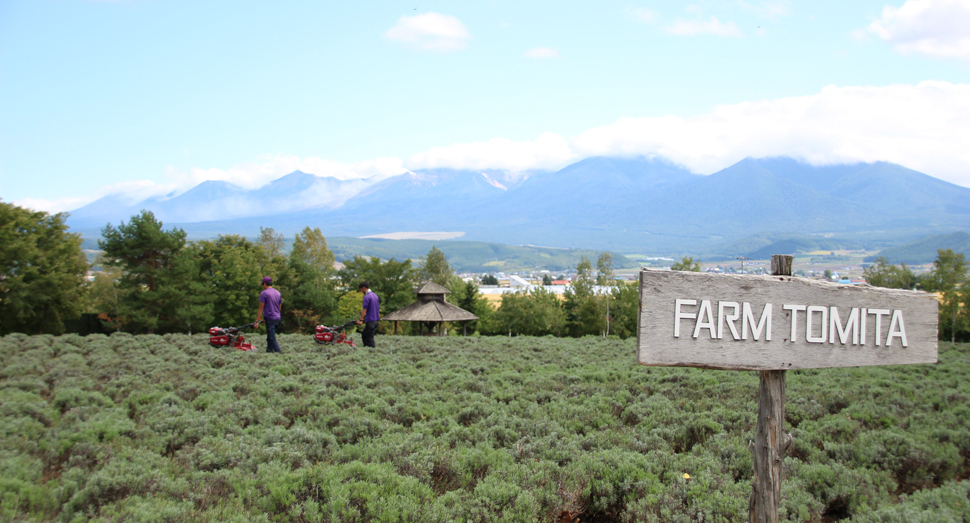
[
  {"x": 333, "y": 335},
  {"x": 226, "y": 336}
]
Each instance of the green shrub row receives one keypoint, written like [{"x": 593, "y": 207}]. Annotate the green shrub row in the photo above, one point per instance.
[{"x": 167, "y": 428}]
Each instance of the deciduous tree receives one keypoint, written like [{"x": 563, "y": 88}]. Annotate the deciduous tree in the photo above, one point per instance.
[
  {"x": 312, "y": 287},
  {"x": 435, "y": 268},
  {"x": 948, "y": 277},
  {"x": 393, "y": 281},
  {"x": 585, "y": 312},
  {"x": 624, "y": 307},
  {"x": 231, "y": 268},
  {"x": 272, "y": 241},
  {"x": 535, "y": 313},
  {"x": 686, "y": 263},
  {"x": 604, "y": 268},
  {"x": 310, "y": 247},
  {"x": 884, "y": 274},
  {"x": 41, "y": 271}
]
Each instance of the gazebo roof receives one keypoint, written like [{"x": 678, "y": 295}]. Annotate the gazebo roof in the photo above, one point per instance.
[
  {"x": 431, "y": 311},
  {"x": 432, "y": 288}
]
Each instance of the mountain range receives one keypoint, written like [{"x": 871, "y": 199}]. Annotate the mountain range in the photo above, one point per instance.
[{"x": 621, "y": 204}]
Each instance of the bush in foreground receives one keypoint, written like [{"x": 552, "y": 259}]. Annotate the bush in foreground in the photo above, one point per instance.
[{"x": 166, "y": 428}]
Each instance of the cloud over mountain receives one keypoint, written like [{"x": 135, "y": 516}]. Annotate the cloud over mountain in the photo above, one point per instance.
[{"x": 922, "y": 126}]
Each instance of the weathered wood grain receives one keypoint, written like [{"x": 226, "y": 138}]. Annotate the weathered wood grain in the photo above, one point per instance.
[
  {"x": 657, "y": 344},
  {"x": 769, "y": 448},
  {"x": 770, "y": 442},
  {"x": 781, "y": 264}
]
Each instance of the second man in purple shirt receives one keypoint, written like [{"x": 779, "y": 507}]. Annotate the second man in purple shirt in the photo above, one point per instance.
[{"x": 370, "y": 313}]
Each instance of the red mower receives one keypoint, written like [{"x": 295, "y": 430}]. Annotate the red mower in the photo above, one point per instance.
[
  {"x": 333, "y": 335},
  {"x": 223, "y": 337}
]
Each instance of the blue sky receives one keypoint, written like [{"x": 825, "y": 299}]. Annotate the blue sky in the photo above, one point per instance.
[{"x": 145, "y": 96}]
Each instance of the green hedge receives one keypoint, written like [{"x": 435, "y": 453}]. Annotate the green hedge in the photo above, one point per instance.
[{"x": 167, "y": 428}]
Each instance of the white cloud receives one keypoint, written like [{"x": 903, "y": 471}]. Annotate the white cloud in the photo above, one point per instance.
[
  {"x": 430, "y": 32},
  {"x": 713, "y": 26},
  {"x": 541, "y": 52},
  {"x": 647, "y": 16},
  {"x": 51, "y": 206},
  {"x": 548, "y": 151},
  {"x": 933, "y": 28},
  {"x": 922, "y": 127},
  {"x": 768, "y": 9},
  {"x": 250, "y": 175},
  {"x": 268, "y": 168},
  {"x": 129, "y": 193}
]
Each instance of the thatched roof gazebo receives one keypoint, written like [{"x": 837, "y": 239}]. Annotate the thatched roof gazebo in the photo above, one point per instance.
[{"x": 431, "y": 306}]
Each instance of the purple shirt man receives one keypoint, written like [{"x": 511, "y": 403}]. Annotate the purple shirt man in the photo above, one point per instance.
[
  {"x": 269, "y": 309},
  {"x": 370, "y": 314},
  {"x": 372, "y": 304},
  {"x": 271, "y": 300}
]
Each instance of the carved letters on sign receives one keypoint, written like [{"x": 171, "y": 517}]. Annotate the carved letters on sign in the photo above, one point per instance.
[
  {"x": 817, "y": 323},
  {"x": 780, "y": 322}
]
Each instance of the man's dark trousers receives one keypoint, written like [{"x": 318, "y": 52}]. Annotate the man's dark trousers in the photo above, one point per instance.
[
  {"x": 368, "y": 334},
  {"x": 271, "y": 344}
]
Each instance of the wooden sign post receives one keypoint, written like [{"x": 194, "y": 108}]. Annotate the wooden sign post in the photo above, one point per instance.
[{"x": 775, "y": 323}]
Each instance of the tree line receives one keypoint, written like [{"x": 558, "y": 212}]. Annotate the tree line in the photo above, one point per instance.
[
  {"x": 153, "y": 280},
  {"x": 948, "y": 279}
]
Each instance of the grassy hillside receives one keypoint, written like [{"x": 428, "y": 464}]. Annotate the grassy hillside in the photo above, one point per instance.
[
  {"x": 154, "y": 428},
  {"x": 463, "y": 256},
  {"x": 924, "y": 250},
  {"x": 762, "y": 246},
  {"x": 467, "y": 256}
]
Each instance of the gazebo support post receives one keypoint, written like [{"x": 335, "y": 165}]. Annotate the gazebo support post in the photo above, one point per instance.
[{"x": 464, "y": 328}]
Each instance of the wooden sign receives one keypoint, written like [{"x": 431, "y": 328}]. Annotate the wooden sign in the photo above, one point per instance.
[{"x": 691, "y": 319}]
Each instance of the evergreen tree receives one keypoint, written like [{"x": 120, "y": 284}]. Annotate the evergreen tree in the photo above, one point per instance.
[
  {"x": 145, "y": 253},
  {"x": 103, "y": 294},
  {"x": 196, "y": 309},
  {"x": 473, "y": 302},
  {"x": 42, "y": 271}
]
